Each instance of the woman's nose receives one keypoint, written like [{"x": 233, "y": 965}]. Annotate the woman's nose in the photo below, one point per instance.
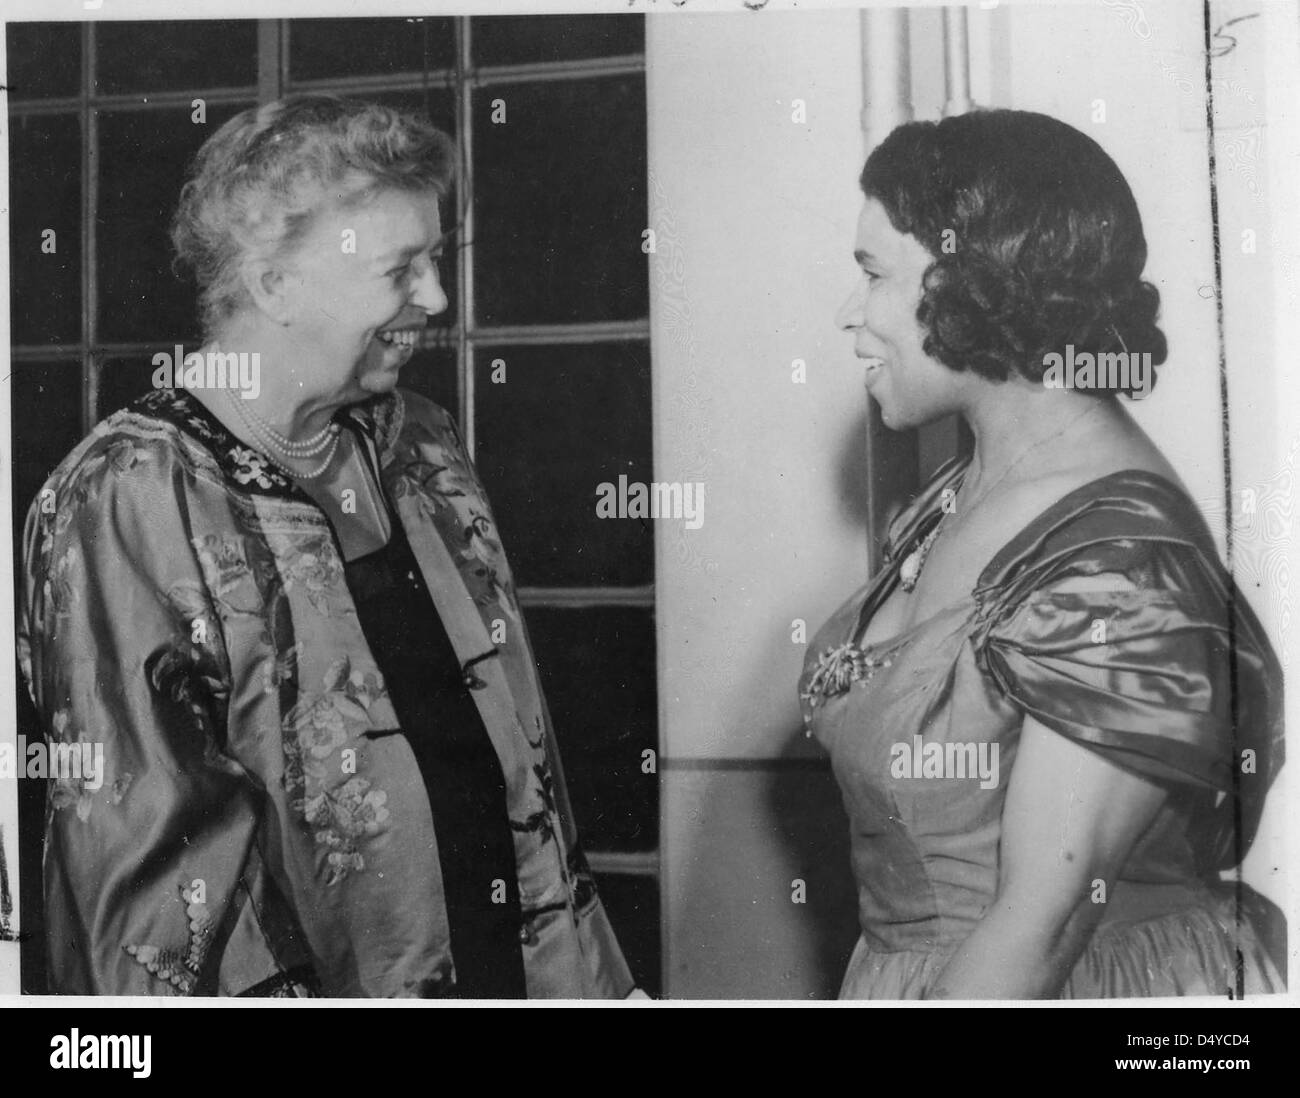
[
  {"x": 427, "y": 292},
  {"x": 852, "y": 314}
]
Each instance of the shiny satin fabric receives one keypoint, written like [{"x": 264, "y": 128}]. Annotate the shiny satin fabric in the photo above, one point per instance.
[
  {"x": 185, "y": 605},
  {"x": 1178, "y": 682}
]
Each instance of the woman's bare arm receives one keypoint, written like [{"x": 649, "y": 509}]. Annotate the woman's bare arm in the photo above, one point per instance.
[{"x": 1068, "y": 823}]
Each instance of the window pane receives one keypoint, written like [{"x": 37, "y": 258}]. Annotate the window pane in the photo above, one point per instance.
[
  {"x": 633, "y": 907},
  {"x": 45, "y": 182},
  {"x": 515, "y": 39},
  {"x": 566, "y": 420},
  {"x": 598, "y": 671},
  {"x": 168, "y": 56},
  {"x": 326, "y": 49},
  {"x": 46, "y": 424},
  {"x": 143, "y": 158},
  {"x": 433, "y": 373},
  {"x": 44, "y": 59},
  {"x": 560, "y": 202},
  {"x": 121, "y": 381}
]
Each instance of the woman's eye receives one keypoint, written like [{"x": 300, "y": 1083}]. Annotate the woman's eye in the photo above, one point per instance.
[{"x": 399, "y": 272}]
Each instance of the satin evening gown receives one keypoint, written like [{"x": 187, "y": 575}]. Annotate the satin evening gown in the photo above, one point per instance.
[{"x": 1152, "y": 689}]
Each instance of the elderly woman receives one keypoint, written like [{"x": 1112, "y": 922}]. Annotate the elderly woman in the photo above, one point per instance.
[
  {"x": 1052, "y": 720},
  {"x": 329, "y": 766}
]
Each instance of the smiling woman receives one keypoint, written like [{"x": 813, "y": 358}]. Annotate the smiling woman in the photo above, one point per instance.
[
  {"x": 328, "y": 765},
  {"x": 1050, "y": 612}
]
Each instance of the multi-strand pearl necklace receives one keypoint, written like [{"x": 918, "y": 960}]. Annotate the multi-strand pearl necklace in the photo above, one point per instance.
[{"x": 286, "y": 449}]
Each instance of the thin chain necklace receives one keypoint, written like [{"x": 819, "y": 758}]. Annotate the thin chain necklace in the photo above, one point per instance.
[
  {"x": 909, "y": 571},
  {"x": 838, "y": 667}
]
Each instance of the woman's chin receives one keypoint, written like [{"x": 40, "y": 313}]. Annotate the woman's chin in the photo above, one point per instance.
[
  {"x": 380, "y": 381},
  {"x": 891, "y": 416}
]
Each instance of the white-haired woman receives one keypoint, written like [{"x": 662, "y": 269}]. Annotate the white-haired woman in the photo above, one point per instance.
[{"x": 328, "y": 762}]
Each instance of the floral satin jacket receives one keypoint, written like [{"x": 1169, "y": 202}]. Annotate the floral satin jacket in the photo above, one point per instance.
[{"x": 184, "y": 604}]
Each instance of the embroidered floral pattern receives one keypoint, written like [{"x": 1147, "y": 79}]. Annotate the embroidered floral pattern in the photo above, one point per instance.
[
  {"x": 180, "y": 967},
  {"x": 250, "y": 467},
  {"x": 245, "y": 466},
  {"x": 225, "y": 566},
  {"x": 434, "y": 469},
  {"x": 68, "y": 790},
  {"x": 63, "y": 582},
  {"x": 309, "y": 561},
  {"x": 543, "y": 821},
  {"x": 315, "y": 732}
]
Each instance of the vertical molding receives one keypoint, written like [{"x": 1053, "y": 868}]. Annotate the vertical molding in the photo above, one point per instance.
[
  {"x": 464, "y": 195},
  {"x": 893, "y": 457},
  {"x": 89, "y": 236},
  {"x": 886, "y": 72},
  {"x": 10, "y": 910},
  {"x": 956, "y": 62},
  {"x": 271, "y": 59}
]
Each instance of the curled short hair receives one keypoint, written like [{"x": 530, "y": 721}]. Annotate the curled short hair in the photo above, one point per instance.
[
  {"x": 256, "y": 185},
  {"x": 1036, "y": 239}
]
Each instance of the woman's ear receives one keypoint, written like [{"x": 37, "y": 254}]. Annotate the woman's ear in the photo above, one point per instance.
[{"x": 270, "y": 286}]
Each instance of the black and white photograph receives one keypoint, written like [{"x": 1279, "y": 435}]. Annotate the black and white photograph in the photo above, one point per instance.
[{"x": 666, "y": 503}]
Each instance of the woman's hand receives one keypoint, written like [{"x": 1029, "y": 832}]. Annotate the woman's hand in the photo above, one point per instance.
[{"x": 1068, "y": 823}]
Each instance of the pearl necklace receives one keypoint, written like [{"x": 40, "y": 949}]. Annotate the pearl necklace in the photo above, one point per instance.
[
  {"x": 304, "y": 448},
  {"x": 271, "y": 440}
]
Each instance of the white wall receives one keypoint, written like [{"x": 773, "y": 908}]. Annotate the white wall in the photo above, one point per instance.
[{"x": 754, "y": 215}]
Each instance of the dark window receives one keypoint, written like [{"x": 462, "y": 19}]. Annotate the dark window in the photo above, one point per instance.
[
  {"x": 525, "y": 39},
  {"x": 45, "y": 228},
  {"x": 161, "y": 57},
  {"x": 597, "y": 669},
  {"x": 329, "y": 49},
  {"x": 560, "y": 201},
  {"x": 143, "y": 159},
  {"x": 44, "y": 60},
  {"x": 46, "y": 396},
  {"x": 566, "y": 419}
]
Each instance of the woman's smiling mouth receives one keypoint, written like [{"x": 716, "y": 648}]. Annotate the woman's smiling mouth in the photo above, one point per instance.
[
  {"x": 874, "y": 365},
  {"x": 399, "y": 337}
]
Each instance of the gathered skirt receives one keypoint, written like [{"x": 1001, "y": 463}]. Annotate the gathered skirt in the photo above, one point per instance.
[{"x": 1189, "y": 952}]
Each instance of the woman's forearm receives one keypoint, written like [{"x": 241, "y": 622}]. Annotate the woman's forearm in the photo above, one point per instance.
[{"x": 1015, "y": 954}]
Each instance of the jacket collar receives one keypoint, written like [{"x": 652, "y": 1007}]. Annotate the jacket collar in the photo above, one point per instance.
[{"x": 253, "y": 470}]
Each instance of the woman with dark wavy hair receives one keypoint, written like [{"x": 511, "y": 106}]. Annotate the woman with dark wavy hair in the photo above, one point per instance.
[{"x": 1052, "y": 718}]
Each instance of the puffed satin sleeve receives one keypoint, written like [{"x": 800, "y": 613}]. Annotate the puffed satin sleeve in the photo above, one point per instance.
[
  {"x": 120, "y": 648},
  {"x": 1140, "y": 666}
]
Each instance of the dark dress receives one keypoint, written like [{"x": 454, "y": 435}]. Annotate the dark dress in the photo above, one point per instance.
[
  {"x": 460, "y": 770},
  {"x": 1153, "y": 690}
]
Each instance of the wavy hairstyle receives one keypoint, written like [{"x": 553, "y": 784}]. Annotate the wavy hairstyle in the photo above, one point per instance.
[
  {"x": 256, "y": 185},
  {"x": 1036, "y": 239}
]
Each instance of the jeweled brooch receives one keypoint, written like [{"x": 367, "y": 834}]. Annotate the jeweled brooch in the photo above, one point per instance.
[{"x": 838, "y": 669}]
